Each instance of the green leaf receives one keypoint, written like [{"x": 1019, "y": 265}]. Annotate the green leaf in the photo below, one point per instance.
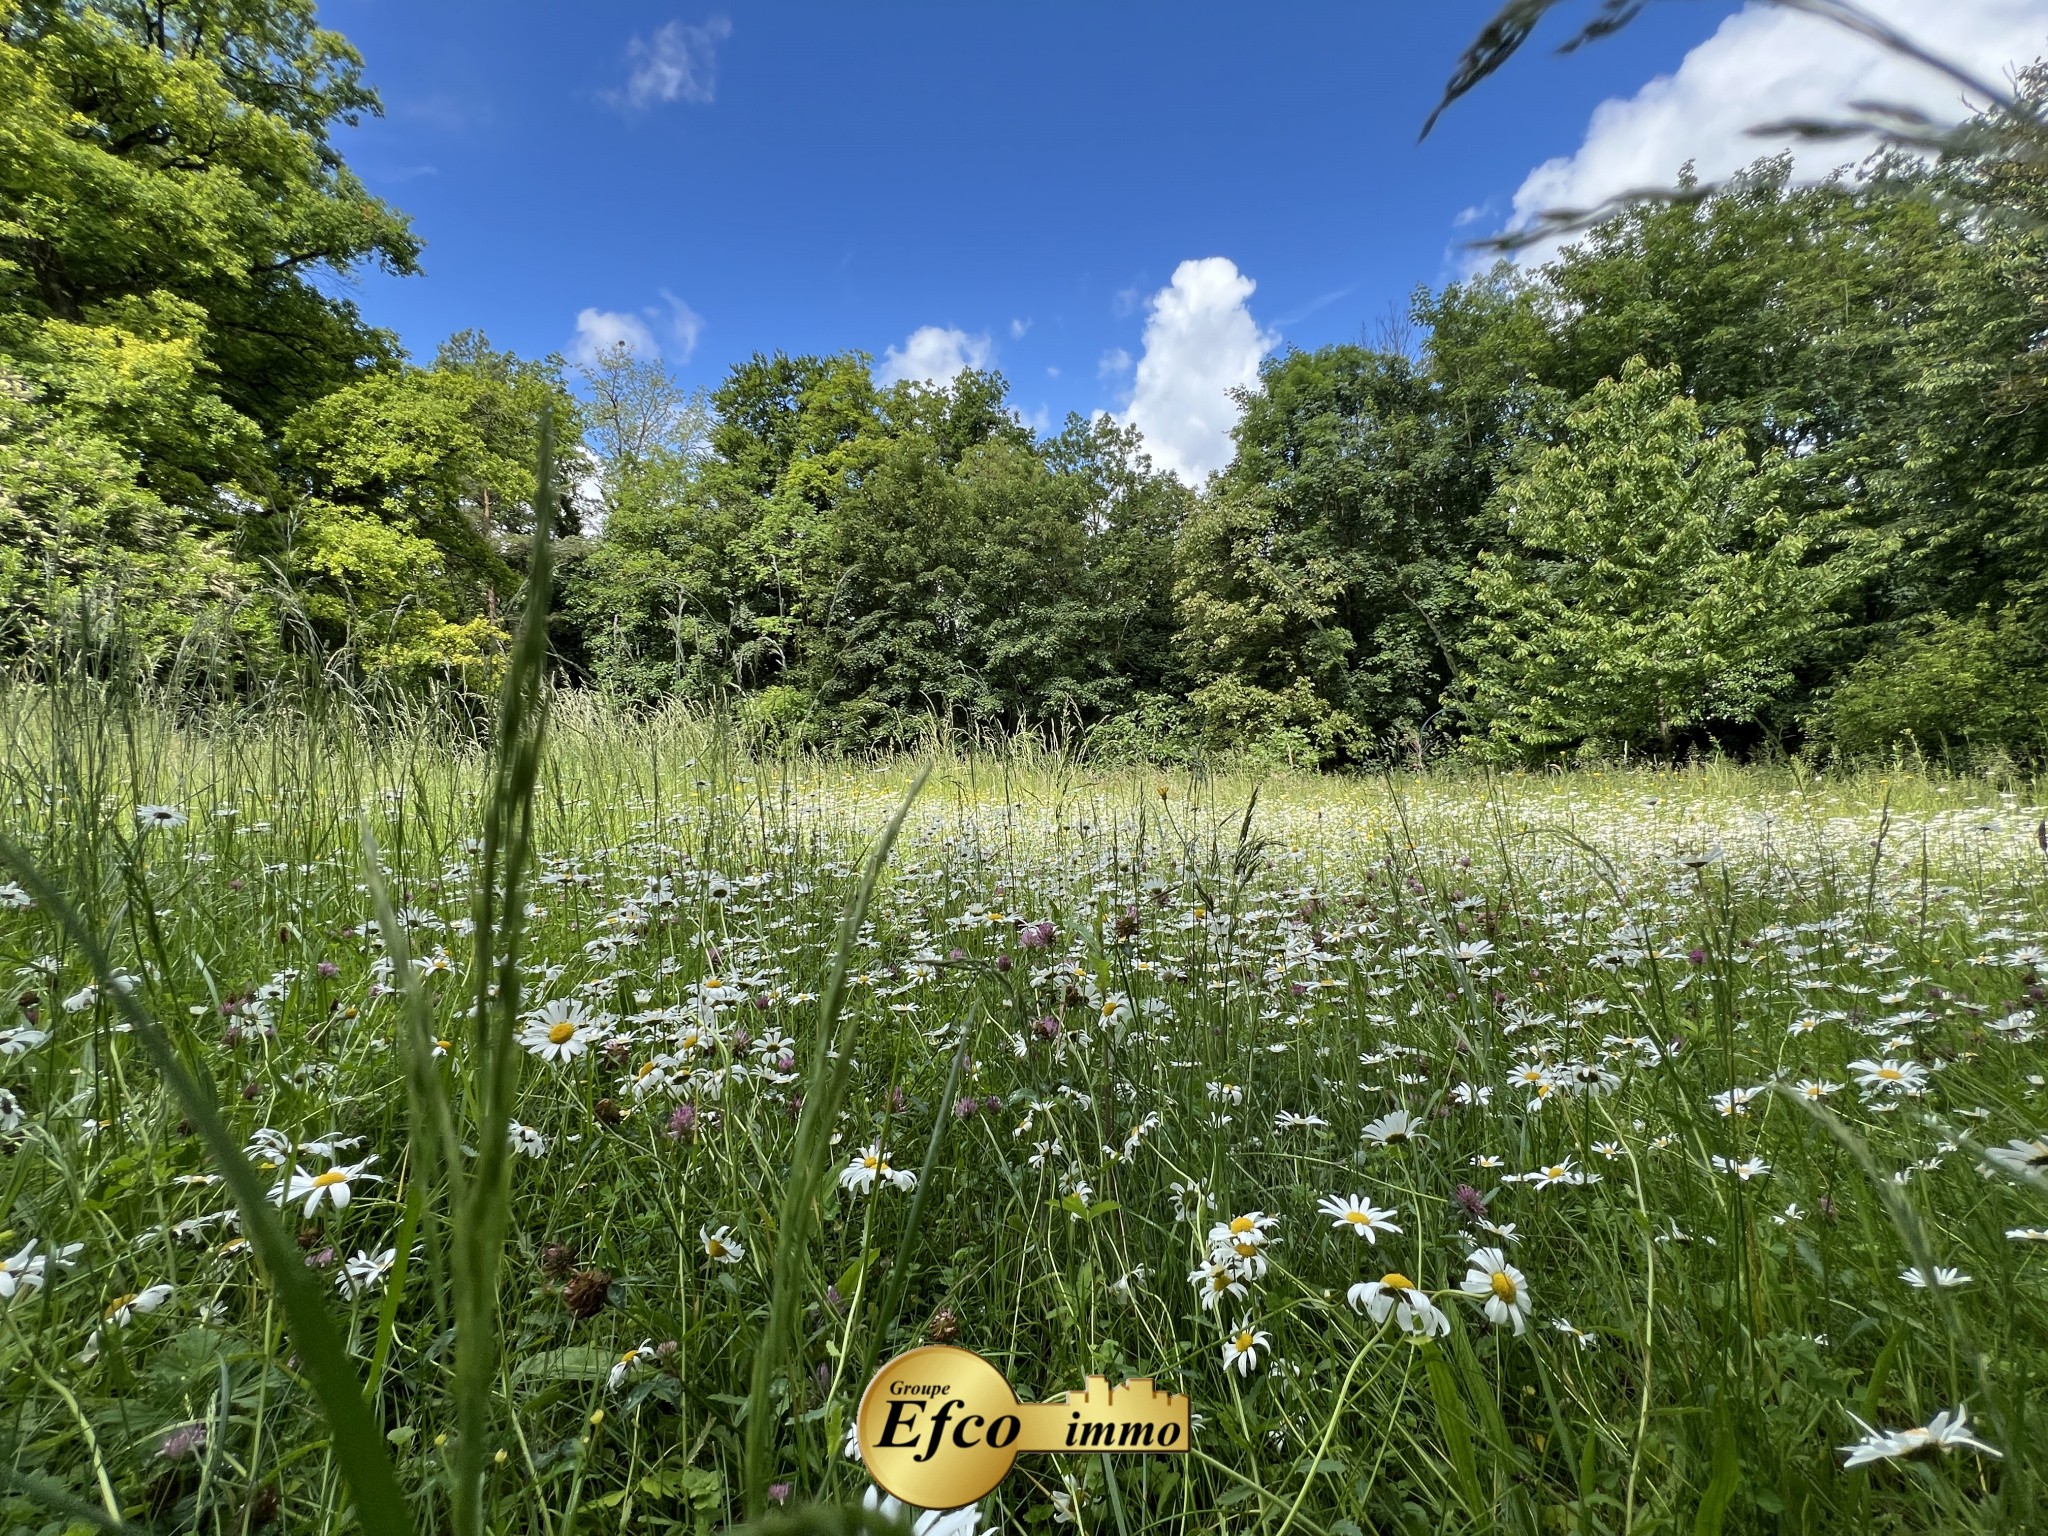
[{"x": 572, "y": 1362}]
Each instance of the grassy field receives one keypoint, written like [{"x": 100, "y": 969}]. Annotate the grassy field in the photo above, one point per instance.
[{"x": 1614, "y": 1151}]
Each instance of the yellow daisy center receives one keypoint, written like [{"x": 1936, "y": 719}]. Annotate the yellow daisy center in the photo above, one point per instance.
[
  {"x": 1890, "y": 1074},
  {"x": 1397, "y": 1282},
  {"x": 1358, "y": 1218},
  {"x": 1243, "y": 1342},
  {"x": 1241, "y": 1224},
  {"x": 561, "y": 1034},
  {"x": 331, "y": 1176},
  {"x": 1503, "y": 1286}
]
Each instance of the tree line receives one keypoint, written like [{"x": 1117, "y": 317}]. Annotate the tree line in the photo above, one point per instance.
[{"x": 1762, "y": 469}]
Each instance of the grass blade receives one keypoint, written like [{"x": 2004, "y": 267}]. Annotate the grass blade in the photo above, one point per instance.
[
  {"x": 359, "y": 1447},
  {"x": 827, "y": 1087}
]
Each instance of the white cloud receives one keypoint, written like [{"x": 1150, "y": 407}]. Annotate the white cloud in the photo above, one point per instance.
[
  {"x": 1113, "y": 364},
  {"x": 599, "y": 330},
  {"x": 674, "y": 63},
  {"x": 684, "y": 324},
  {"x": 1768, "y": 64},
  {"x": 1018, "y": 328},
  {"x": 933, "y": 354},
  {"x": 1200, "y": 344}
]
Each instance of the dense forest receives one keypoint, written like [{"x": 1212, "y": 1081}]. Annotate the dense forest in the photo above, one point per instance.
[{"x": 1764, "y": 470}]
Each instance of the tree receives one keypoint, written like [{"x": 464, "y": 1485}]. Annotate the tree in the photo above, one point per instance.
[
  {"x": 181, "y": 152},
  {"x": 1653, "y": 584},
  {"x": 414, "y": 486},
  {"x": 1321, "y": 585}
]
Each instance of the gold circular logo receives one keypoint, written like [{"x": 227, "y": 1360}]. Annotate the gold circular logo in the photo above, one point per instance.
[{"x": 938, "y": 1427}]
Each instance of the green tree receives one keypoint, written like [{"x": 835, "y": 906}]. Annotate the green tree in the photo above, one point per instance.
[
  {"x": 170, "y": 202},
  {"x": 169, "y": 153},
  {"x": 415, "y": 486},
  {"x": 1652, "y": 583},
  {"x": 1321, "y": 583}
]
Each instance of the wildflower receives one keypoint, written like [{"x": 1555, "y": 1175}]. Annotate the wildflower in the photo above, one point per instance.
[
  {"x": 587, "y": 1292},
  {"x": 1889, "y": 1076},
  {"x": 1579, "y": 1335},
  {"x": 158, "y": 817},
  {"x": 1749, "y": 1168},
  {"x": 1288, "y": 1120},
  {"x": 1735, "y": 1101},
  {"x": 1559, "y": 1173},
  {"x": 965, "y": 1521},
  {"x": 617, "y": 1377},
  {"x": 365, "y": 1272},
  {"x": 122, "y": 1309},
  {"x": 1396, "y": 1294},
  {"x": 559, "y": 1031},
  {"x": 1213, "y": 1282},
  {"x": 1813, "y": 1090},
  {"x": 1359, "y": 1214},
  {"x": 26, "y": 1270},
  {"x": 1507, "y": 1296},
  {"x": 13, "y": 898},
  {"x": 525, "y": 1140},
  {"x": 721, "y": 1247},
  {"x": 1241, "y": 1349},
  {"x": 1943, "y": 1432},
  {"x": 1240, "y": 1241},
  {"x": 1942, "y": 1278},
  {"x": 2019, "y": 1157},
  {"x": 1394, "y": 1127},
  {"x": 871, "y": 1167},
  {"x": 331, "y": 1186},
  {"x": 13, "y": 1042},
  {"x": 2027, "y": 1234}
]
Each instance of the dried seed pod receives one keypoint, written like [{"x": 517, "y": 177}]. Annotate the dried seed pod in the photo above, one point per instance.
[
  {"x": 587, "y": 1292},
  {"x": 557, "y": 1259},
  {"x": 944, "y": 1326}
]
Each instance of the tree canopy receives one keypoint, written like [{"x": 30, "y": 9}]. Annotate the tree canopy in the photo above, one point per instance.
[{"x": 1764, "y": 467}]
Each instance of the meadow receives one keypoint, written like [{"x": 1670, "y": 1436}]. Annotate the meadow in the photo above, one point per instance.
[{"x": 1651, "y": 1150}]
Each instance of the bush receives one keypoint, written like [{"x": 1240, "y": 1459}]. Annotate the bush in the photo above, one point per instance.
[{"x": 1977, "y": 684}]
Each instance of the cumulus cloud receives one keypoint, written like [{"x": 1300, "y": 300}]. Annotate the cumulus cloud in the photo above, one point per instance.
[
  {"x": 674, "y": 63},
  {"x": 599, "y": 330},
  {"x": 1201, "y": 343},
  {"x": 1769, "y": 64},
  {"x": 932, "y": 355},
  {"x": 1113, "y": 364}
]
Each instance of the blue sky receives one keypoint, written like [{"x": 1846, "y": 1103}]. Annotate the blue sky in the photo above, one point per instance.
[{"x": 1020, "y": 183}]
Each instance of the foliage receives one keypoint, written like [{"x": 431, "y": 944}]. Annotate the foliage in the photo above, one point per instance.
[
  {"x": 1948, "y": 685},
  {"x": 414, "y": 483},
  {"x": 1321, "y": 585},
  {"x": 1654, "y": 583}
]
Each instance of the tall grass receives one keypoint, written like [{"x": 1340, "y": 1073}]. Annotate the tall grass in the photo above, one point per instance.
[{"x": 1262, "y": 948}]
